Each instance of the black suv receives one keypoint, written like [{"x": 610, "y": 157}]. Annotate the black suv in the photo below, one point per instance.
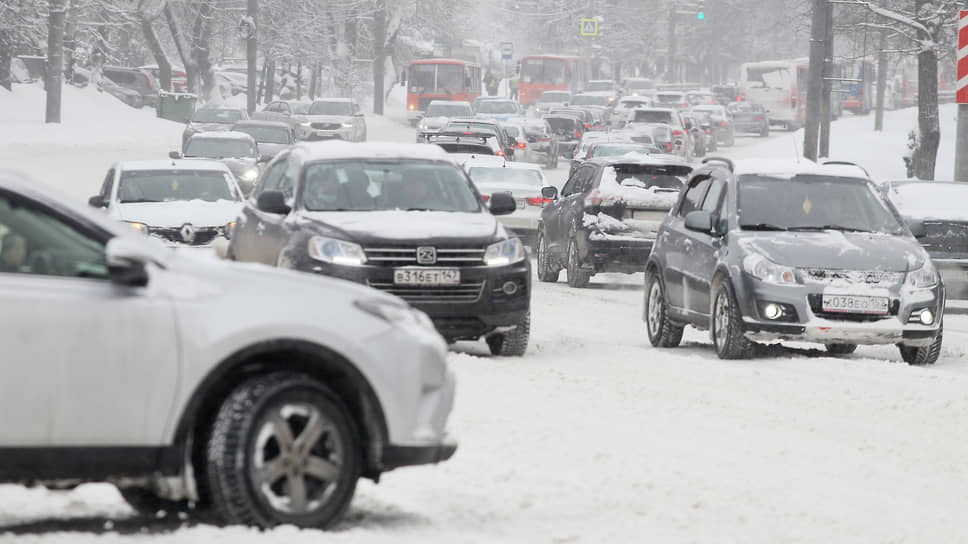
[
  {"x": 401, "y": 218},
  {"x": 791, "y": 252},
  {"x": 607, "y": 216}
]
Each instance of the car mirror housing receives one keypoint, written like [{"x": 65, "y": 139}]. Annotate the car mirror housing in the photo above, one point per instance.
[
  {"x": 550, "y": 192},
  {"x": 97, "y": 201},
  {"x": 127, "y": 259},
  {"x": 502, "y": 204},
  {"x": 700, "y": 221},
  {"x": 917, "y": 228},
  {"x": 273, "y": 202}
]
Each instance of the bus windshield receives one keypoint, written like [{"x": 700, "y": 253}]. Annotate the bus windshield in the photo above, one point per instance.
[
  {"x": 437, "y": 78},
  {"x": 543, "y": 71}
]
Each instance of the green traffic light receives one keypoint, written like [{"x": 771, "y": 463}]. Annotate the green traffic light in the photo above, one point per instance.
[{"x": 700, "y": 16}]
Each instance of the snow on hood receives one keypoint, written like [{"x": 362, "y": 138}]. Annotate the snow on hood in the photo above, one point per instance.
[
  {"x": 633, "y": 193},
  {"x": 836, "y": 250},
  {"x": 435, "y": 122},
  {"x": 409, "y": 225},
  {"x": 175, "y": 214},
  {"x": 210, "y": 127},
  {"x": 327, "y": 118},
  {"x": 927, "y": 200}
]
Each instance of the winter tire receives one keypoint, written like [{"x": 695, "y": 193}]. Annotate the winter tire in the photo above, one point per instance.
[
  {"x": 548, "y": 271},
  {"x": 148, "y": 504},
  {"x": 840, "y": 349},
  {"x": 924, "y": 355},
  {"x": 577, "y": 277},
  {"x": 282, "y": 451},
  {"x": 513, "y": 343},
  {"x": 663, "y": 333},
  {"x": 726, "y": 325}
]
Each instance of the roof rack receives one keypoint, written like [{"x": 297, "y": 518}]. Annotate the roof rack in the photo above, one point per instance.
[
  {"x": 722, "y": 160},
  {"x": 848, "y": 163}
]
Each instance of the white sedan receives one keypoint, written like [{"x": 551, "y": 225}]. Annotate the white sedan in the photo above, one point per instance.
[
  {"x": 183, "y": 202},
  {"x": 523, "y": 180}
]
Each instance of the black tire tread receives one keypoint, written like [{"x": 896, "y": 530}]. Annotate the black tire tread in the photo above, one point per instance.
[
  {"x": 840, "y": 349},
  {"x": 737, "y": 345},
  {"x": 670, "y": 333},
  {"x": 512, "y": 343},
  {"x": 578, "y": 278},
  {"x": 550, "y": 273},
  {"x": 924, "y": 355}
]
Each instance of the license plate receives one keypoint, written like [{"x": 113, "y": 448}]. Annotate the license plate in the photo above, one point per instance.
[
  {"x": 521, "y": 203},
  {"x": 850, "y": 304},
  {"x": 426, "y": 276}
]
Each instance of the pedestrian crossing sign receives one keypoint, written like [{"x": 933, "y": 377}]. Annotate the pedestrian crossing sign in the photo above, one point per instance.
[{"x": 589, "y": 27}]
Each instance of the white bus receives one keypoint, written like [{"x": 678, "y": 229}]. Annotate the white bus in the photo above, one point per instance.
[{"x": 780, "y": 86}]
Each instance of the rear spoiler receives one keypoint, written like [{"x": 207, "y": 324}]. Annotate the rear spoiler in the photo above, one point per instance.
[{"x": 477, "y": 136}]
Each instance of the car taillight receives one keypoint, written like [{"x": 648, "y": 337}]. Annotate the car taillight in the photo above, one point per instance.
[
  {"x": 486, "y": 197},
  {"x": 723, "y": 123},
  {"x": 678, "y": 133},
  {"x": 759, "y": 118},
  {"x": 587, "y": 126},
  {"x": 594, "y": 198},
  {"x": 708, "y": 131},
  {"x": 521, "y": 145},
  {"x": 147, "y": 80},
  {"x": 668, "y": 146},
  {"x": 537, "y": 201},
  {"x": 500, "y": 153},
  {"x": 578, "y": 135}
]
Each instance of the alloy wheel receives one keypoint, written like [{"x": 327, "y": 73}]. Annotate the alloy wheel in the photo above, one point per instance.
[
  {"x": 655, "y": 307},
  {"x": 721, "y": 319}
]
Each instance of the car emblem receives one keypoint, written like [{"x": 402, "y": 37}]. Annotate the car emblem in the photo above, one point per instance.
[
  {"x": 426, "y": 255},
  {"x": 187, "y": 233}
]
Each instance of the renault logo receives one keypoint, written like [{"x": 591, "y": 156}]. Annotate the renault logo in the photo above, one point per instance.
[
  {"x": 426, "y": 255},
  {"x": 187, "y": 233}
]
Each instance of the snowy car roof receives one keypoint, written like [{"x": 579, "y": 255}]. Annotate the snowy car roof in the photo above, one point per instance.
[
  {"x": 227, "y": 135},
  {"x": 788, "y": 168},
  {"x": 641, "y": 159},
  {"x": 499, "y": 162},
  {"x": 172, "y": 164},
  {"x": 336, "y": 149},
  {"x": 335, "y": 99},
  {"x": 257, "y": 123},
  {"x": 455, "y": 102}
]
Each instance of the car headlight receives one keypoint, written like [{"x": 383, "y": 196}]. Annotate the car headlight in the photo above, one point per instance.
[
  {"x": 140, "y": 227},
  {"x": 503, "y": 253},
  {"x": 228, "y": 229},
  {"x": 347, "y": 125},
  {"x": 397, "y": 313},
  {"x": 306, "y": 124},
  {"x": 331, "y": 250},
  {"x": 250, "y": 175},
  {"x": 924, "y": 277},
  {"x": 766, "y": 270},
  {"x": 422, "y": 126}
]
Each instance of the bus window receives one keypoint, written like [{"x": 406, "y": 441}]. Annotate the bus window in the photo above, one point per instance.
[
  {"x": 450, "y": 78},
  {"x": 543, "y": 71},
  {"x": 769, "y": 77},
  {"x": 422, "y": 78}
]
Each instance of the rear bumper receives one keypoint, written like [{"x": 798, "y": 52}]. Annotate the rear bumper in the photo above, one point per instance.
[
  {"x": 616, "y": 254},
  {"x": 405, "y": 456},
  {"x": 750, "y": 127}
]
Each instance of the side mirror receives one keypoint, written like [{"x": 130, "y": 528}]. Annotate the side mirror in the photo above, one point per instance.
[
  {"x": 550, "y": 192},
  {"x": 502, "y": 204},
  {"x": 127, "y": 258},
  {"x": 917, "y": 228},
  {"x": 175, "y": 155},
  {"x": 265, "y": 158},
  {"x": 273, "y": 202},
  {"x": 700, "y": 221},
  {"x": 97, "y": 201}
]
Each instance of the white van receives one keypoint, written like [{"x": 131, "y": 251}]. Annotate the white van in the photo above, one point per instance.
[{"x": 780, "y": 86}]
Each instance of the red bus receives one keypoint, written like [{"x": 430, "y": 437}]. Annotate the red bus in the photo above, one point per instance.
[
  {"x": 440, "y": 79},
  {"x": 540, "y": 73}
]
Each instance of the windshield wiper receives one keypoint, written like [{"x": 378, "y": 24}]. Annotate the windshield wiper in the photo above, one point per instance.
[
  {"x": 829, "y": 227},
  {"x": 140, "y": 201},
  {"x": 763, "y": 226}
]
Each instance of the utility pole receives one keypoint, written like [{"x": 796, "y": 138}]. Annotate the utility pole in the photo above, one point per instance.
[
  {"x": 55, "y": 59},
  {"x": 961, "y": 145},
  {"x": 251, "y": 52},
  {"x": 826, "y": 101},
  {"x": 881, "y": 83},
  {"x": 818, "y": 34},
  {"x": 671, "y": 66}
]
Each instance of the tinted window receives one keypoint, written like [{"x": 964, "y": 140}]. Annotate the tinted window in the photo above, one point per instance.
[
  {"x": 563, "y": 126},
  {"x": 217, "y": 116},
  {"x": 543, "y": 71},
  {"x": 648, "y": 176},
  {"x": 652, "y": 116},
  {"x": 367, "y": 185},
  {"x": 139, "y": 186},
  {"x": 331, "y": 108},
  {"x": 694, "y": 196},
  {"x": 711, "y": 204},
  {"x": 268, "y": 135},
  {"x": 108, "y": 185},
  {"x": 219, "y": 148},
  {"x": 270, "y": 179},
  {"x": 448, "y": 110},
  {"x": 497, "y": 106}
]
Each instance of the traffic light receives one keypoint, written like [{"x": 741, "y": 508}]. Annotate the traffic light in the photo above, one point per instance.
[{"x": 701, "y": 11}]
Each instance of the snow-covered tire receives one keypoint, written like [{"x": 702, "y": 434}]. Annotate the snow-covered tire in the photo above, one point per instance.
[
  {"x": 924, "y": 355},
  {"x": 726, "y": 325},
  {"x": 840, "y": 349},
  {"x": 283, "y": 450},
  {"x": 146, "y": 503},
  {"x": 663, "y": 333},
  {"x": 577, "y": 277},
  {"x": 548, "y": 271},
  {"x": 513, "y": 343}
]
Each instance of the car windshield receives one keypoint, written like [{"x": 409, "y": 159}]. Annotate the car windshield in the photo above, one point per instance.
[
  {"x": 652, "y": 116},
  {"x": 301, "y": 108},
  {"x": 640, "y": 84},
  {"x": 543, "y": 71},
  {"x": 563, "y": 126},
  {"x": 616, "y": 150},
  {"x": 590, "y": 100},
  {"x": 266, "y": 135},
  {"x": 371, "y": 185},
  {"x": 483, "y": 176},
  {"x": 555, "y": 97},
  {"x": 744, "y": 107},
  {"x": 598, "y": 86},
  {"x": 648, "y": 176},
  {"x": 669, "y": 98},
  {"x": 219, "y": 148},
  {"x": 925, "y": 200},
  {"x": 711, "y": 110},
  {"x": 138, "y": 186},
  {"x": 812, "y": 202},
  {"x": 217, "y": 116},
  {"x": 497, "y": 106},
  {"x": 632, "y": 104},
  {"x": 448, "y": 110},
  {"x": 327, "y": 107}
]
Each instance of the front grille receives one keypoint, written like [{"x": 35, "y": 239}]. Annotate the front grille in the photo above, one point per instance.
[
  {"x": 465, "y": 292},
  {"x": 407, "y": 256},
  {"x": 816, "y": 306},
  {"x": 203, "y": 236},
  {"x": 851, "y": 277},
  {"x": 326, "y": 126}
]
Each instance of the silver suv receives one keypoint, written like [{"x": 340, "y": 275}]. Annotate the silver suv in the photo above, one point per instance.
[{"x": 258, "y": 395}]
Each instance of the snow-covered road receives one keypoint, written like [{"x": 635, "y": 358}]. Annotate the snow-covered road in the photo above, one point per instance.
[{"x": 595, "y": 436}]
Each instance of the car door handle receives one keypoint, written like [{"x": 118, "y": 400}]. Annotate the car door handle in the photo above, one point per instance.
[
  {"x": 260, "y": 228},
  {"x": 688, "y": 245}
]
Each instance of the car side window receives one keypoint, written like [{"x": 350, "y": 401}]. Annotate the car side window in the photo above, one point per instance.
[
  {"x": 693, "y": 198},
  {"x": 714, "y": 197},
  {"x": 35, "y": 241},
  {"x": 569, "y": 187},
  {"x": 108, "y": 185},
  {"x": 592, "y": 179},
  {"x": 271, "y": 177},
  {"x": 283, "y": 108}
]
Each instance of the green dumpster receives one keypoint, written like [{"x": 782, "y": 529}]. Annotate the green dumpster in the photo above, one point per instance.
[{"x": 176, "y": 106}]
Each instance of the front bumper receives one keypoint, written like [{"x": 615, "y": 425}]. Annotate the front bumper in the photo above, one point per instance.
[
  {"x": 811, "y": 324},
  {"x": 316, "y": 134}
]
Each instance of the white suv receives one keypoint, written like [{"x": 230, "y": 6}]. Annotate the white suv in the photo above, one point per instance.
[{"x": 257, "y": 394}]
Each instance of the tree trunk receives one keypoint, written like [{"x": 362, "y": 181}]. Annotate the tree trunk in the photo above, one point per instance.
[
  {"x": 70, "y": 41},
  {"x": 55, "y": 59},
  {"x": 299, "y": 80},
  {"x": 201, "y": 40},
  {"x": 157, "y": 51},
  {"x": 379, "y": 54},
  {"x": 191, "y": 73},
  {"x": 926, "y": 155},
  {"x": 270, "y": 80},
  {"x": 6, "y": 56},
  {"x": 251, "y": 54},
  {"x": 314, "y": 81}
]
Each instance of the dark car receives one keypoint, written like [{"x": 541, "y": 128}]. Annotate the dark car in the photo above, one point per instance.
[
  {"x": 935, "y": 211},
  {"x": 607, "y": 216},
  {"x": 212, "y": 120},
  {"x": 721, "y": 122},
  {"x": 478, "y": 126},
  {"x": 135, "y": 79},
  {"x": 791, "y": 252},
  {"x": 288, "y": 111},
  {"x": 568, "y": 129},
  {"x": 237, "y": 150},
  {"x": 695, "y": 131},
  {"x": 610, "y": 147},
  {"x": 270, "y": 136},
  {"x": 404, "y": 219},
  {"x": 749, "y": 117}
]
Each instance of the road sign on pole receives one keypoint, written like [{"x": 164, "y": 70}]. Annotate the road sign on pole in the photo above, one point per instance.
[
  {"x": 589, "y": 27},
  {"x": 961, "y": 138},
  {"x": 507, "y": 50},
  {"x": 963, "y": 58}
]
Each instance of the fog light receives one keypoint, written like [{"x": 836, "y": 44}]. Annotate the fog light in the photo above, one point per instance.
[
  {"x": 510, "y": 288},
  {"x": 927, "y": 317},
  {"x": 772, "y": 311}
]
